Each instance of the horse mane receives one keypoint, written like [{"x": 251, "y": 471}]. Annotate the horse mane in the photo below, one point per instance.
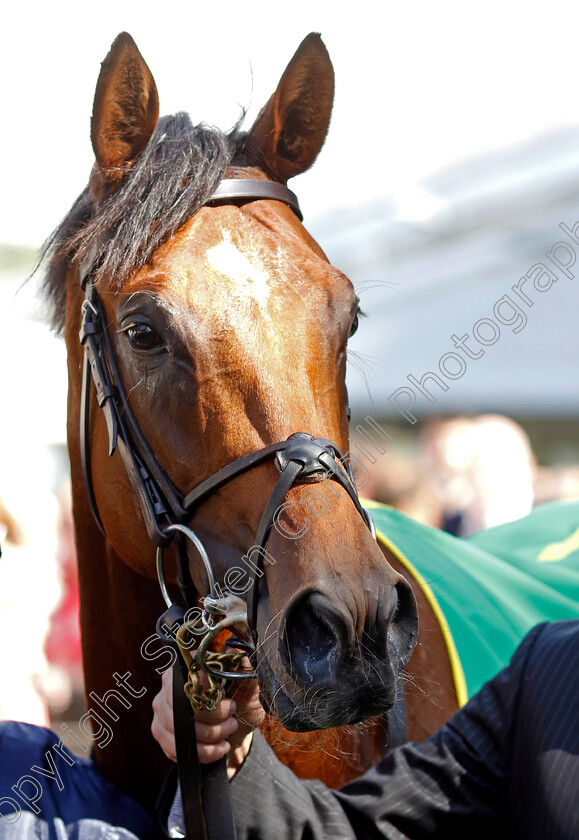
[{"x": 173, "y": 178}]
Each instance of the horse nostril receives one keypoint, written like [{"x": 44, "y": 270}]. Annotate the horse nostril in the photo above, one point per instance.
[
  {"x": 404, "y": 625},
  {"x": 312, "y": 641},
  {"x": 391, "y": 632}
]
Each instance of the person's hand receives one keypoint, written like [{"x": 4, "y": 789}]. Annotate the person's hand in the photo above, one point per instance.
[
  {"x": 226, "y": 731},
  {"x": 211, "y": 728}
]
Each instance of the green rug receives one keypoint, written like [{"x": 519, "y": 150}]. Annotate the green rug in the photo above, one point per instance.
[{"x": 490, "y": 589}]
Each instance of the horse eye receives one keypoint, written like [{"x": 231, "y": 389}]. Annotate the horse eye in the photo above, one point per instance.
[
  {"x": 354, "y": 325},
  {"x": 143, "y": 337}
]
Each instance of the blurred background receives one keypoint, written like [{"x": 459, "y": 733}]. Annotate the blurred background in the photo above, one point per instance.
[{"x": 453, "y": 156}]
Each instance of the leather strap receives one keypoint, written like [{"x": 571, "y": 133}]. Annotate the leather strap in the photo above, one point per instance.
[
  {"x": 225, "y": 474},
  {"x": 253, "y": 189},
  {"x": 99, "y": 358},
  {"x": 187, "y": 758},
  {"x": 85, "y": 441},
  {"x": 150, "y": 468},
  {"x": 204, "y": 787},
  {"x": 93, "y": 372},
  {"x": 283, "y": 485}
]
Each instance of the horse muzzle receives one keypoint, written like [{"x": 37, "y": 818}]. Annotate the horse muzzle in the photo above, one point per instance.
[{"x": 324, "y": 673}]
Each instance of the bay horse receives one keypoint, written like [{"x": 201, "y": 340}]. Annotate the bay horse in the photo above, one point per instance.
[{"x": 216, "y": 331}]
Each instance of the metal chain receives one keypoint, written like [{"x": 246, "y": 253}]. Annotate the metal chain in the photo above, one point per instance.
[{"x": 204, "y": 698}]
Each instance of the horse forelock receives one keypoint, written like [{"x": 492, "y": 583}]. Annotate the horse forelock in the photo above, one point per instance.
[{"x": 172, "y": 179}]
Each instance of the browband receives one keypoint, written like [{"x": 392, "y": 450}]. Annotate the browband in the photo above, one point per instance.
[{"x": 254, "y": 189}]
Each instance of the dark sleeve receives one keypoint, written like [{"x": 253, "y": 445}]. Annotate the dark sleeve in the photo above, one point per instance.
[
  {"x": 47, "y": 791},
  {"x": 454, "y": 785}
]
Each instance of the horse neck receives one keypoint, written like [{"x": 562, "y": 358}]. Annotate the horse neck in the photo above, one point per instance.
[{"x": 118, "y": 613}]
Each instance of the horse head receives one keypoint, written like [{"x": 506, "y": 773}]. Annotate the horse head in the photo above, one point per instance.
[{"x": 227, "y": 328}]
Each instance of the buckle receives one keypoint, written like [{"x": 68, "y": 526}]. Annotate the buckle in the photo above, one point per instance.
[{"x": 303, "y": 449}]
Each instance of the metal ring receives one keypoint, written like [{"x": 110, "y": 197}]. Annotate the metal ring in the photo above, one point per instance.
[
  {"x": 202, "y": 553},
  {"x": 204, "y": 644},
  {"x": 209, "y": 627},
  {"x": 161, "y": 577}
]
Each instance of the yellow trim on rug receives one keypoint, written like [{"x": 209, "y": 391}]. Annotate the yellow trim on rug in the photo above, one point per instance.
[{"x": 560, "y": 550}]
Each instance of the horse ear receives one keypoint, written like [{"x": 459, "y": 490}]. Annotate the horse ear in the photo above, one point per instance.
[
  {"x": 125, "y": 109},
  {"x": 290, "y": 130}
]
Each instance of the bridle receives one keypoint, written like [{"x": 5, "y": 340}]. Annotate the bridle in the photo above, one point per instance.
[{"x": 300, "y": 459}]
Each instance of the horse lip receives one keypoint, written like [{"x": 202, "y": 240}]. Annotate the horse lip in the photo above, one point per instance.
[{"x": 293, "y": 717}]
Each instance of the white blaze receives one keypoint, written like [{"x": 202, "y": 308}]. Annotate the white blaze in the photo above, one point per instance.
[{"x": 250, "y": 280}]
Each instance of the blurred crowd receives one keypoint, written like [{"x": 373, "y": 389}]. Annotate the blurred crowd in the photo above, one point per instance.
[
  {"x": 465, "y": 474},
  {"x": 39, "y": 625},
  {"x": 461, "y": 474}
]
